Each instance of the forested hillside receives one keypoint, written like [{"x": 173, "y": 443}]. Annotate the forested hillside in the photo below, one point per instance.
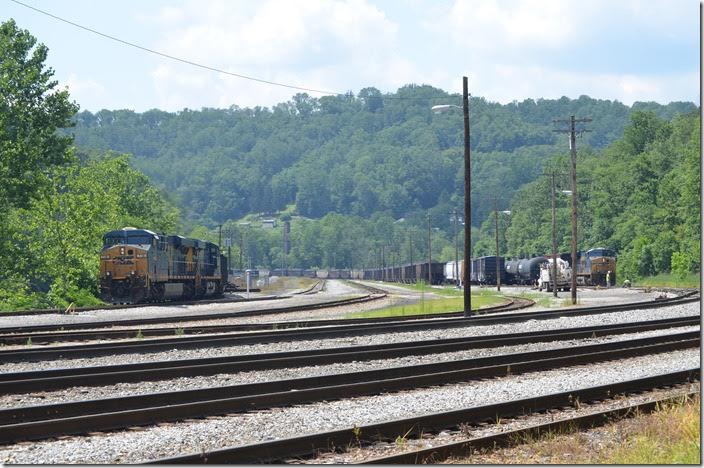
[{"x": 353, "y": 155}]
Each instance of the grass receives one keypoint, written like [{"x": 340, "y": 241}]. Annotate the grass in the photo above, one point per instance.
[
  {"x": 667, "y": 436},
  {"x": 288, "y": 283},
  {"x": 432, "y": 306},
  {"x": 669, "y": 280},
  {"x": 423, "y": 287}
]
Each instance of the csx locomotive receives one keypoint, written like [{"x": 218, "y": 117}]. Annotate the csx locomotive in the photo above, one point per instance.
[{"x": 137, "y": 265}]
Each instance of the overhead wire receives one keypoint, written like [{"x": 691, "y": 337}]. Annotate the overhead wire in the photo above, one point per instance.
[{"x": 200, "y": 65}]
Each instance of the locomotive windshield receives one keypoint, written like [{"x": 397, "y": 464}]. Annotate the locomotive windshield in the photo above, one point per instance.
[
  {"x": 139, "y": 239},
  {"x": 132, "y": 239},
  {"x": 601, "y": 253}
]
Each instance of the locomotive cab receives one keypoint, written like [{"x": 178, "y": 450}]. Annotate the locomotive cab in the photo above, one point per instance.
[{"x": 124, "y": 265}]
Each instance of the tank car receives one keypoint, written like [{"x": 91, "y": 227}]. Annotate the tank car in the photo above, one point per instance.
[
  {"x": 528, "y": 270},
  {"x": 138, "y": 265}
]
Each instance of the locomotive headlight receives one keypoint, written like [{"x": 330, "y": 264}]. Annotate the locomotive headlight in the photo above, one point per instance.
[{"x": 122, "y": 251}]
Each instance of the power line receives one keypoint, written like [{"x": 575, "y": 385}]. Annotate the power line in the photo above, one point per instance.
[
  {"x": 171, "y": 57},
  {"x": 205, "y": 67}
]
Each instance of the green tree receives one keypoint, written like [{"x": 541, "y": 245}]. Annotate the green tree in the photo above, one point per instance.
[
  {"x": 680, "y": 265},
  {"x": 31, "y": 110}
]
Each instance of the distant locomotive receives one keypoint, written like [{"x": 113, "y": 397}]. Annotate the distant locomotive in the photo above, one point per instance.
[
  {"x": 137, "y": 265},
  {"x": 593, "y": 266}
]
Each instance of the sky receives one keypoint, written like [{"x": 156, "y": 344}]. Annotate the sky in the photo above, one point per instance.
[{"x": 625, "y": 50}]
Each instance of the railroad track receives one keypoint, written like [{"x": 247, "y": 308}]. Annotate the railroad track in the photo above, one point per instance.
[
  {"x": 308, "y": 445},
  {"x": 305, "y": 333},
  {"x": 468, "y": 446},
  {"x": 45, "y": 380},
  {"x": 41, "y": 338},
  {"x": 314, "y": 289},
  {"x": 39, "y": 422},
  {"x": 184, "y": 318},
  {"x": 187, "y": 337},
  {"x": 37, "y": 334},
  {"x": 222, "y": 300}
]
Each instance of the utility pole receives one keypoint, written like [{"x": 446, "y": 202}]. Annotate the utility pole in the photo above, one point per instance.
[
  {"x": 554, "y": 240},
  {"x": 573, "y": 148},
  {"x": 241, "y": 249},
  {"x": 410, "y": 247},
  {"x": 383, "y": 265},
  {"x": 430, "y": 259},
  {"x": 220, "y": 236},
  {"x": 229, "y": 248},
  {"x": 496, "y": 220},
  {"x": 467, "y": 200},
  {"x": 552, "y": 175},
  {"x": 457, "y": 264}
]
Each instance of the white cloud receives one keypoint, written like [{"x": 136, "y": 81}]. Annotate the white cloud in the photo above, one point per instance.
[
  {"x": 510, "y": 83},
  {"x": 495, "y": 24},
  {"x": 83, "y": 89},
  {"x": 319, "y": 44},
  {"x": 508, "y": 48},
  {"x": 515, "y": 49}
]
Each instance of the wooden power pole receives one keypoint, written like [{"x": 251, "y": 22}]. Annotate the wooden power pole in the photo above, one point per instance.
[
  {"x": 430, "y": 259},
  {"x": 573, "y": 151}
]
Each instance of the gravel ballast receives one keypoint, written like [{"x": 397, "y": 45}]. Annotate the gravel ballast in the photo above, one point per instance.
[
  {"x": 220, "y": 380},
  {"x": 681, "y": 310},
  {"x": 385, "y": 449},
  {"x": 189, "y": 437}
]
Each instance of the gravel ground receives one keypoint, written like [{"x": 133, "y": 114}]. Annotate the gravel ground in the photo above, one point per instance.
[
  {"x": 327, "y": 313},
  {"x": 212, "y": 433},
  {"x": 178, "y": 310},
  {"x": 531, "y": 325},
  {"x": 334, "y": 289},
  {"x": 385, "y": 449},
  {"x": 219, "y": 380}
]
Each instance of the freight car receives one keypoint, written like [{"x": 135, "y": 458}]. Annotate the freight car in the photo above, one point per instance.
[
  {"x": 137, "y": 265},
  {"x": 528, "y": 270},
  {"x": 486, "y": 269}
]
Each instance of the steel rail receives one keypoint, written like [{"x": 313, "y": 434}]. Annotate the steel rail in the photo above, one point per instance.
[
  {"x": 307, "y": 445},
  {"x": 64, "y": 336},
  {"x": 222, "y": 300},
  {"x": 508, "y": 438},
  {"x": 79, "y": 417},
  {"x": 206, "y": 341},
  {"x": 45, "y": 380},
  {"x": 684, "y": 298},
  {"x": 182, "y": 318}
]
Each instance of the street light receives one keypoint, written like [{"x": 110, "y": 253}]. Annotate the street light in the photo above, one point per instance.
[
  {"x": 573, "y": 286},
  {"x": 467, "y": 193},
  {"x": 498, "y": 265}
]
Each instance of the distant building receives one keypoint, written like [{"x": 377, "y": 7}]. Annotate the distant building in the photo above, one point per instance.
[{"x": 268, "y": 223}]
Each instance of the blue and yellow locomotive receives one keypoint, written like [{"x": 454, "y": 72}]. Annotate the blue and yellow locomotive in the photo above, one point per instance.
[{"x": 137, "y": 265}]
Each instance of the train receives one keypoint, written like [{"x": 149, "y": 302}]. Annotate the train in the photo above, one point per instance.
[
  {"x": 138, "y": 265},
  {"x": 592, "y": 267}
]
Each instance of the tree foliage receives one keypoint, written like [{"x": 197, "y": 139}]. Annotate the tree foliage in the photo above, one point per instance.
[
  {"x": 353, "y": 155},
  {"x": 55, "y": 205},
  {"x": 31, "y": 109}
]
